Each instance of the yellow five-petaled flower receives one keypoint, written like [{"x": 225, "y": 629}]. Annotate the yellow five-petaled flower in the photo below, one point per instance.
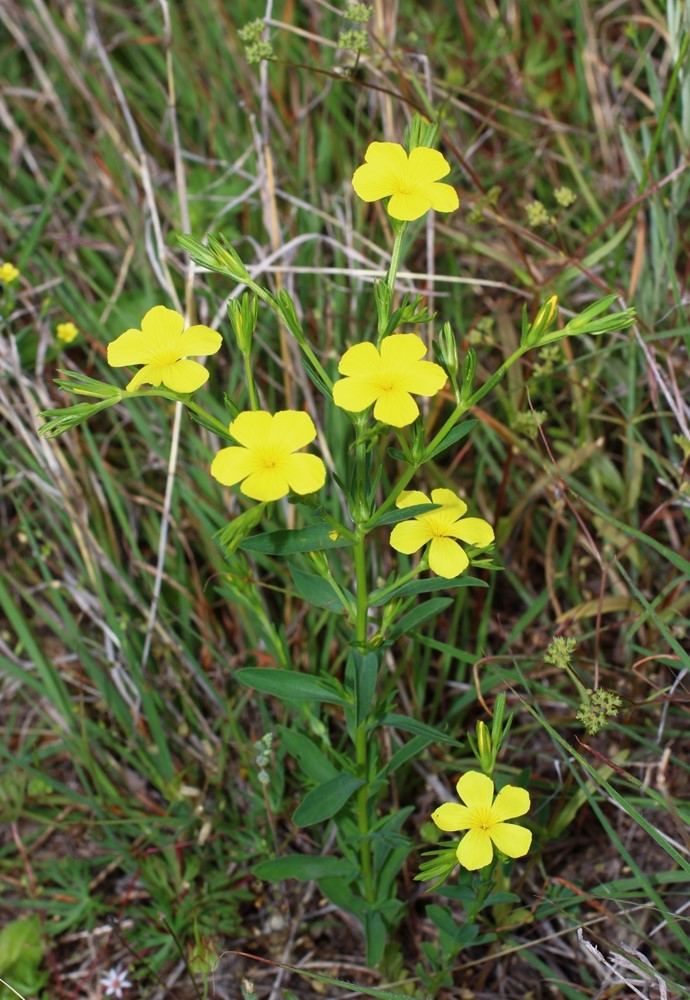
[
  {"x": 265, "y": 464},
  {"x": 8, "y": 273},
  {"x": 163, "y": 347},
  {"x": 411, "y": 182},
  {"x": 386, "y": 378},
  {"x": 440, "y": 527},
  {"x": 484, "y": 818},
  {"x": 66, "y": 332}
]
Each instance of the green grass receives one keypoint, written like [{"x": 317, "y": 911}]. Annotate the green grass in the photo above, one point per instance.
[{"x": 134, "y": 815}]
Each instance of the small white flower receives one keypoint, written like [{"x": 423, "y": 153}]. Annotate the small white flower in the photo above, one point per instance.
[{"x": 114, "y": 982}]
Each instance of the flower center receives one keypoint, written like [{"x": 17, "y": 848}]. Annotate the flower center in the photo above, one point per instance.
[
  {"x": 270, "y": 458},
  {"x": 436, "y": 526},
  {"x": 482, "y": 820},
  {"x": 164, "y": 358}
]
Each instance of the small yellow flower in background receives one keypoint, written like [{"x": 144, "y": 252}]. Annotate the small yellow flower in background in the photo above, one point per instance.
[
  {"x": 387, "y": 378},
  {"x": 66, "y": 332},
  {"x": 411, "y": 181},
  {"x": 8, "y": 273},
  {"x": 266, "y": 464},
  {"x": 484, "y": 819},
  {"x": 162, "y": 346},
  {"x": 440, "y": 527}
]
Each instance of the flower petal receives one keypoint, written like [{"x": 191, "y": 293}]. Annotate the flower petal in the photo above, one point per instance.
[
  {"x": 443, "y": 197},
  {"x": 446, "y": 558},
  {"x": 373, "y": 182},
  {"x": 362, "y": 360},
  {"x": 251, "y": 427},
  {"x": 449, "y": 499},
  {"x": 396, "y": 408},
  {"x": 475, "y": 850},
  {"x": 233, "y": 464},
  {"x": 184, "y": 376},
  {"x": 355, "y": 394},
  {"x": 266, "y": 484},
  {"x": 409, "y": 536},
  {"x": 162, "y": 325},
  {"x": 451, "y": 817},
  {"x": 510, "y": 802},
  {"x": 291, "y": 429},
  {"x": 511, "y": 839},
  {"x": 148, "y": 375},
  {"x": 401, "y": 350},
  {"x": 305, "y": 473},
  {"x": 474, "y": 530},
  {"x": 425, "y": 166},
  {"x": 383, "y": 173},
  {"x": 411, "y": 498},
  {"x": 387, "y": 154},
  {"x": 200, "y": 340},
  {"x": 424, "y": 378},
  {"x": 409, "y": 206},
  {"x": 130, "y": 348},
  {"x": 476, "y": 790}
]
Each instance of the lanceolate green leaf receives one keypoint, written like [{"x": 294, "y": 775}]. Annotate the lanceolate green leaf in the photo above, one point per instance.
[
  {"x": 313, "y": 538},
  {"x": 317, "y": 590},
  {"x": 325, "y": 801},
  {"x": 291, "y": 686},
  {"x": 427, "y": 585},
  {"x": 405, "y": 514},
  {"x": 417, "y": 616},
  {"x": 453, "y": 436},
  {"x": 418, "y": 729},
  {"x": 313, "y": 761}
]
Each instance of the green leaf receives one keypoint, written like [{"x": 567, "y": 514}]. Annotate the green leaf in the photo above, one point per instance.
[
  {"x": 313, "y": 538},
  {"x": 304, "y": 868},
  {"x": 428, "y": 585},
  {"x": 375, "y": 937},
  {"x": 410, "y": 749},
  {"x": 21, "y": 941},
  {"x": 454, "y": 435},
  {"x": 312, "y": 760},
  {"x": 338, "y": 891},
  {"x": 405, "y": 514},
  {"x": 398, "y": 455},
  {"x": 414, "y": 618},
  {"x": 316, "y": 590},
  {"x": 361, "y": 673},
  {"x": 418, "y": 728},
  {"x": 498, "y": 898},
  {"x": 291, "y": 686},
  {"x": 325, "y": 801}
]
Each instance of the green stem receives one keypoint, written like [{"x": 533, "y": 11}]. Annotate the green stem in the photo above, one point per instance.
[
  {"x": 251, "y": 384},
  {"x": 395, "y": 257},
  {"x": 221, "y": 427},
  {"x": 361, "y": 756},
  {"x": 361, "y": 731}
]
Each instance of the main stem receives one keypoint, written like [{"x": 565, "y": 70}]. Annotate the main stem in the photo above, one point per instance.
[
  {"x": 361, "y": 516},
  {"x": 362, "y": 589}
]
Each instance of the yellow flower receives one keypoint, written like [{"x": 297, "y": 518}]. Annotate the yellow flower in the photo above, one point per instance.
[
  {"x": 387, "y": 378},
  {"x": 411, "y": 181},
  {"x": 8, "y": 273},
  {"x": 440, "y": 527},
  {"x": 66, "y": 332},
  {"x": 484, "y": 819},
  {"x": 266, "y": 464},
  {"x": 162, "y": 346}
]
